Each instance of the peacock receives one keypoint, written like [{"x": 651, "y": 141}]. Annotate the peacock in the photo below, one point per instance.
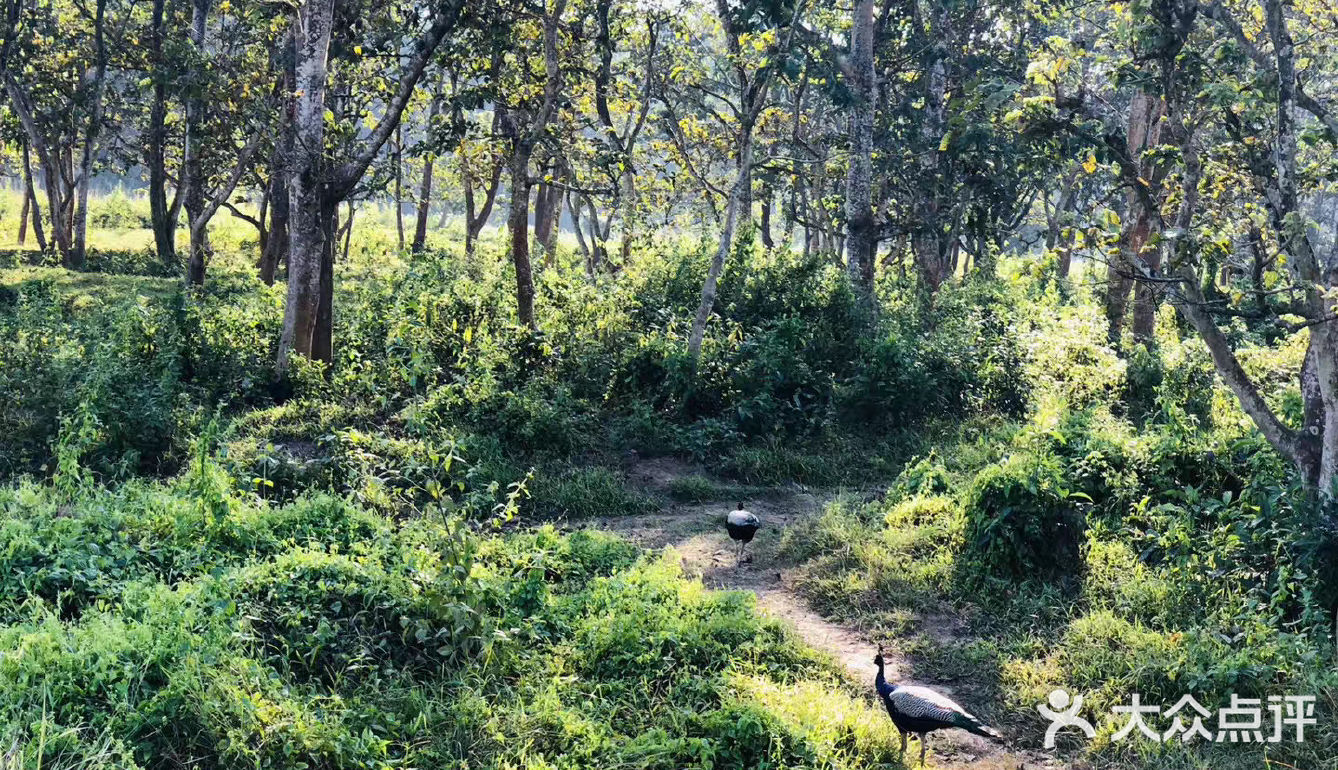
[
  {"x": 921, "y": 710},
  {"x": 741, "y": 525}
]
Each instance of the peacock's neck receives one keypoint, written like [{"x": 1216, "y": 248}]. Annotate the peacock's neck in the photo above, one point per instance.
[{"x": 880, "y": 680}]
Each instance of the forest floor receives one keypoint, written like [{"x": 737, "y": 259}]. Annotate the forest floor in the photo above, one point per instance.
[{"x": 696, "y": 532}]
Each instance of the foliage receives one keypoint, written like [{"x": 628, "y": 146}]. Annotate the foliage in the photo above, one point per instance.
[{"x": 1021, "y": 522}]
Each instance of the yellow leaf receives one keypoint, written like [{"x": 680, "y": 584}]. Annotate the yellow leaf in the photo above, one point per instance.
[
  {"x": 943, "y": 145},
  {"x": 1089, "y": 165}
]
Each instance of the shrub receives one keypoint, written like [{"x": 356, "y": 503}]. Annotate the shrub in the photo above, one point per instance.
[
  {"x": 326, "y": 616},
  {"x": 917, "y": 511},
  {"x": 118, "y": 211},
  {"x": 1021, "y": 521},
  {"x": 922, "y": 476}
]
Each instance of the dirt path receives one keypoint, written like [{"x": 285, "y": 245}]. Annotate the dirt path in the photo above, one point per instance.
[{"x": 696, "y": 531}]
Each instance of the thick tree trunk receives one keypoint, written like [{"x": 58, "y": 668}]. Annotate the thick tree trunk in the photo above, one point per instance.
[
  {"x": 199, "y": 252},
  {"x": 861, "y": 240},
  {"x": 308, "y": 230},
  {"x": 518, "y": 224},
  {"x": 192, "y": 173},
  {"x": 1146, "y": 113},
  {"x": 1147, "y": 297},
  {"x": 77, "y": 255},
  {"x": 155, "y": 147}
]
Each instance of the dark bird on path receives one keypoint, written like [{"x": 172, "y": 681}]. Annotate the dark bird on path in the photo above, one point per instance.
[
  {"x": 741, "y": 525},
  {"x": 920, "y": 710}
]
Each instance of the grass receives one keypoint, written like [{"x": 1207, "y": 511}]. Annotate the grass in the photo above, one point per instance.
[
  {"x": 201, "y": 563},
  {"x": 83, "y": 291}
]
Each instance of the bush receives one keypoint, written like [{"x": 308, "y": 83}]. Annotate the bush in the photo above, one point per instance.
[
  {"x": 1021, "y": 522},
  {"x": 320, "y": 615},
  {"x": 118, "y": 211},
  {"x": 922, "y": 476}
]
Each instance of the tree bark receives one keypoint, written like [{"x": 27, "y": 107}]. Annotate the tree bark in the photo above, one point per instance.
[
  {"x": 192, "y": 171},
  {"x": 518, "y": 223},
  {"x": 547, "y": 212},
  {"x": 425, "y": 187},
  {"x": 930, "y": 243},
  {"x": 1146, "y": 114},
  {"x": 79, "y": 221},
  {"x": 522, "y": 148},
  {"x": 736, "y": 198},
  {"x": 308, "y": 231},
  {"x": 316, "y": 191},
  {"x": 155, "y": 147},
  {"x": 399, "y": 186},
  {"x": 764, "y": 228},
  {"x": 276, "y": 246},
  {"x": 23, "y": 217},
  {"x": 861, "y": 240}
]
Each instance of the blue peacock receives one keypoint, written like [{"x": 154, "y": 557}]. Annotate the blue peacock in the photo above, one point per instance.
[{"x": 920, "y": 710}]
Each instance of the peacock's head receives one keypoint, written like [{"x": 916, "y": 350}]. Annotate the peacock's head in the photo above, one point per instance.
[{"x": 878, "y": 659}]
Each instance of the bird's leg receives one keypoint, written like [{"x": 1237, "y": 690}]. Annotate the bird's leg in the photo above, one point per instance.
[
  {"x": 922, "y": 749},
  {"x": 903, "y": 743}
]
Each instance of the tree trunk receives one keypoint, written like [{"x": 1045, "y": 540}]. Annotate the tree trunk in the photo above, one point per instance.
[
  {"x": 79, "y": 224},
  {"x": 192, "y": 173},
  {"x": 23, "y": 217},
  {"x": 322, "y": 336},
  {"x": 35, "y": 211},
  {"x": 308, "y": 231},
  {"x": 276, "y": 246},
  {"x": 1147, "y": 298},
  {"x": 399, "y": 187},
  {"x": 861, "y": 240},
  {"x": 424, "y": 207},
  {"x": 155, "y": 147},
  {"x": 547, "y": 212},
  {"x": 425, "y": 187},
  {"x": 475, "y": 222},
  {"x": 933, "y": 255},
  {"x": 1145, "y": 130},
  {"x": 348, "y": 230},
  {"x": 732, "y": 209},
  {"x": 199, "y": 250},
  {"x": 765, "y": 226},
  {"x": 518, "y": 223},
  {"x": 543, "y": 222}
]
